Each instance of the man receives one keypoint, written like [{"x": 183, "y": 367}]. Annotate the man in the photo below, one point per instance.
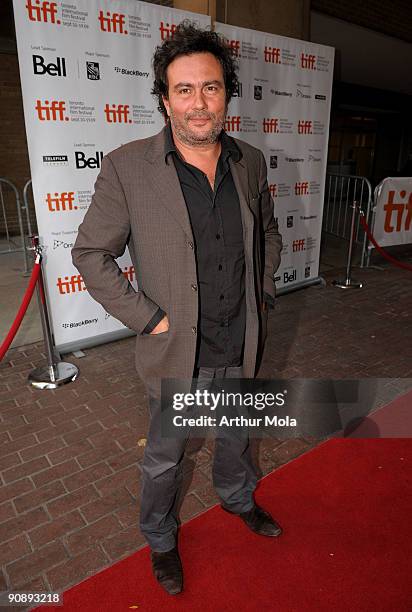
[{"x": 193, "y": 206}]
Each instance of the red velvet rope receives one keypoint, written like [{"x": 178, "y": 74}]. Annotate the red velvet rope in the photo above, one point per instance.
[
  {"x": 22, "y": 310},
  {"x": 394, "y": 261}
]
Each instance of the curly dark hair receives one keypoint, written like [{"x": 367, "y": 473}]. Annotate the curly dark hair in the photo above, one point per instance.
[{"x": 188, "y": 39}]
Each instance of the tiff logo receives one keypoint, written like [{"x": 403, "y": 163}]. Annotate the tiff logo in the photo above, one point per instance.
[
  {"x": 307, "y": 60},
  {"x": 167, "y": 31},
  {"x": 298, "y": 245},
  {"x": 51, "y": 110},
  {"x": 75, "y": 283},
  {"x": 57, "y": 69},
  {"x": 302, "y": 188},
  {"x": 270, "y": 125},
  {"x": 42, "y": 11},
  {"x": 234, "y": 46},
  {"x": 118, "y": 114},
  {"x": 232, "y": 124},
  {"x": 399, "y": 209},
  {"x": 272, "y": 55},
  {"x": 112, "y": 22},
  {"x": 61, "y": 202},
  {"x": 273, "y": 190},
  {"x": 304, "y": 126}
]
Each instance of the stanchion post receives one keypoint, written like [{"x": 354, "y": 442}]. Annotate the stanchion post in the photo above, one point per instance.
[
  {"x": 348, "y": 282},
  {"x": 56, "y": 372}
]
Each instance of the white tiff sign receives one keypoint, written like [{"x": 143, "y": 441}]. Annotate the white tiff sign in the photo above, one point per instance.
[
  {"x": 283, "y": 107},
  {"x": 393, "y": 211},
  {"x": 86, "y": 77}
]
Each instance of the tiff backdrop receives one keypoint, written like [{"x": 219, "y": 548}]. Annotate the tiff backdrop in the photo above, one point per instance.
[{"x": 86, "y": 77}]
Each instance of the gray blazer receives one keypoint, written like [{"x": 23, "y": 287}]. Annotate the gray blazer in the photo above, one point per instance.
[{"x": 138, "y": 202}]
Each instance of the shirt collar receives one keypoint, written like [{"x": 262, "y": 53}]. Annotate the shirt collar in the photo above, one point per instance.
[{"x": 229, "y": 146}]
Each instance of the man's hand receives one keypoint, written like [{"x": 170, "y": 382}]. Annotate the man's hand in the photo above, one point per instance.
[{"x": 161, "y": 327}]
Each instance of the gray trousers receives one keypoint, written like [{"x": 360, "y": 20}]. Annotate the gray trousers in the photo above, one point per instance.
[{"x": 234, "y": 476}]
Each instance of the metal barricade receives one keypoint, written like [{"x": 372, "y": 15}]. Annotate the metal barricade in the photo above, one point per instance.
[
  {"x": 12, "y": 246},
  {"x": 341, "y": 192}
]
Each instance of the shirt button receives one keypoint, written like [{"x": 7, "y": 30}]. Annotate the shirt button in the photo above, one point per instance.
[
  {"x": 194, "y": 330},
  {"x": 194, "y": 287},
  {"x": 191, "y": 244},
  {"x": 217, "y": 236},
  {"x": 221, "y": 297}
]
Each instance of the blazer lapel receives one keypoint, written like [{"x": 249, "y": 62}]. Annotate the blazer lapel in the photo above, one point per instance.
[{"x": 165, "y": 183}]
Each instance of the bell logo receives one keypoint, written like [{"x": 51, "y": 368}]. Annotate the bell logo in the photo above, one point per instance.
[
  {"x": 272, "y": 55},
  {"x": 307, "y": 60},
  {"x": 119, "y": 113},
  {"x": 270, "y": 126},
  {"x": 302, "y": 188},
  {"x": 273, "y": 190},
  {"x": 304, "y": 126},
  {"x": 38, "y": 10},
  {"x": 167, "y": 31},
  {"x": 399, "y": 208},
  {"x": 61, "y": 202},
  {"x": 298, "y": 245},
  {"x": 112, "y": 22},
  {"x": 232, "y": 124},
  {"x": 234, "y": 46},
  {"x": 289, "y": 277},
  {"x": 88, "y": 162},
  {"x": 57, "y": 69}
]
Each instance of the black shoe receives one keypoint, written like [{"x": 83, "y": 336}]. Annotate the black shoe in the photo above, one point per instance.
[
  {"x": 259, "y": 521},
  {"x": 167, "y": 569}
]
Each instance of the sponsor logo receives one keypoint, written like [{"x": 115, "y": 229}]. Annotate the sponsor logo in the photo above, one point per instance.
[
  {"x": 52, "y": 69},
  {"x": 307, "y": 61},
  {"x": 57, "y": 244},
  {"x": 304, "y": 126},
  {"x": 234, "y": 46},
  {"x": 93, "y": 71},
  {"x": 61, "y": 202},
  {"x": 257, "y": 92},
  {"x": 320, "y": 97},
  {"x": 298, "y": 245},
  {"x": 271, "y": 55},
  {"x": 289, "y": 277},
  {"x": 273, "y": 190},
  {"x": 289, "y": 221},
  {"x": 82, "y": 161},
  {"x": 56, "y": 160},
  {"x": 119, "y": 113},
  {"x": 112, "y": 22},
  {"x": 398, "y": 209},
  {"x": 79, "y": 323},
  {"x": 232, "y": 124},
  {"x": 276, "y": 92},
  {"x": 75, "y": 283},
  {"x": 51, "y": 110},
  {"x": 42, "y": 11},
  {"x": 238, "y": 93},
  {"x": 307, "y": 217},
  {"x": 307, "y": 271},
  {"x": 273, "y": 162},
  {"x": 294, "y": 160},
  {"x": 301, "y": 94},
  {"x": 129, "y": 72},
  {"x": 301, "y": 188},
  {"x": 270, "y": 125},
  {"x": 167, "y": 31},
  {"x": 312, "y": 158}
]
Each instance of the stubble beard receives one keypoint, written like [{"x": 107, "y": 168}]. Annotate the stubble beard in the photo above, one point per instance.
[{"x": 192, "y": 138}]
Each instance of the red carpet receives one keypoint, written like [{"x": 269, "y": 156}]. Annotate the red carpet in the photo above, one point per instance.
[{"x": 346, "y": 511}]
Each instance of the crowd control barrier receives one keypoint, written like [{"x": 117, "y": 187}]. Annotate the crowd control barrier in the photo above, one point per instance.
[
  {"x": 55, "y": 372},
  {"x": 341, "y": 193},
  {"x": 14, "y": 248}
]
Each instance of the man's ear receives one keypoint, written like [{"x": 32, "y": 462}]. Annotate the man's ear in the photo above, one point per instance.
[{"x": 167, "y": 105}]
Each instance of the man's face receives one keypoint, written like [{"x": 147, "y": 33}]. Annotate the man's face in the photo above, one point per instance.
[{"x": 196, "y": 102}]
